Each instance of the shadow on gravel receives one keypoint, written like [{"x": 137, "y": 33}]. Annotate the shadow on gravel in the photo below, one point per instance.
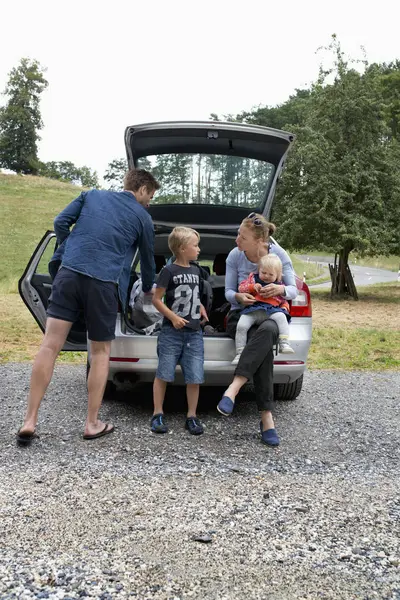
[{"x": 141, "y": 397}]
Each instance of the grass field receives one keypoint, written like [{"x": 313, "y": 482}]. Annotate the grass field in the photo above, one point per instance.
[
  {"x": 391, "y": 263},
  {"x": 347, "y": 334},
  {"x": 28, "y": 206},
  {"x": 363, "y": 334},
  {"x": 314, "y": 273}
]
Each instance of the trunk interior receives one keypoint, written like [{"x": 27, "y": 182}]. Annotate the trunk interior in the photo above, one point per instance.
[{"x": 214, "y": 251}]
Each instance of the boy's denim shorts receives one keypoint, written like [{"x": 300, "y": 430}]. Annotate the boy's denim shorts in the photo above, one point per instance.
[{"x": 180, "y": 347}]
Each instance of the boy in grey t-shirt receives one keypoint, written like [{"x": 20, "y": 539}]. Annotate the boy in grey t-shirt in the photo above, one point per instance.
[{"x": 181, "y": 338}]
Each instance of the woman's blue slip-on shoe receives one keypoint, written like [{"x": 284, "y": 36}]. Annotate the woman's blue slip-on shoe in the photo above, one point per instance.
[
  {"x": 225, "y": 406},
  {"x": 269, "y": 437}
]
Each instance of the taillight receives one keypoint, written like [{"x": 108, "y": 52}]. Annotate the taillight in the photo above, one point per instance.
[
  {"x": 123, "y": 359},
  {"x": 301, "y": 305}
]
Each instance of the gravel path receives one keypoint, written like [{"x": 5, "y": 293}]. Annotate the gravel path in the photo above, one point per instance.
[{"x": 215, "y": 517}]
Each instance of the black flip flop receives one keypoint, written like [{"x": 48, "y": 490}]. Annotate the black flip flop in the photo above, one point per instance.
[
  {"x": 104, "y": 431},
  {"x": 25, "y": 439}
]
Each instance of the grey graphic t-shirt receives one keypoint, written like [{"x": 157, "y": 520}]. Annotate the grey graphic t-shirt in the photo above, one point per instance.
[{"x": 183, "y": 290}]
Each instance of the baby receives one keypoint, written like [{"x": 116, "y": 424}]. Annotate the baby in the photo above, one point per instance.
[{"x": 275, "y": 307}]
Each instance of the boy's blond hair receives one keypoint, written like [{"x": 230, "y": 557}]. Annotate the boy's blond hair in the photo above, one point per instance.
[
  {"x": 271, "y": 261},
  {"x": 179, "y": 238}
]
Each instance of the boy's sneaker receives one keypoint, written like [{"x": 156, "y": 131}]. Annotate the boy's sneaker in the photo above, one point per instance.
[
  {"x": 194, "y": 426},
  {"x": 285, "y": 347},
  {"x": 158, "y": 424}
]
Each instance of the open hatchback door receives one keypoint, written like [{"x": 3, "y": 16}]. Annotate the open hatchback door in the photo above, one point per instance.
[
  {"x": 35, "y": 288},
  {"x": 211, "y": 173}
]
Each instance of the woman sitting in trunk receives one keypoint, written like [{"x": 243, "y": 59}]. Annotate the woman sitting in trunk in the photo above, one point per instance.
[{"x": 256, "y": 360}]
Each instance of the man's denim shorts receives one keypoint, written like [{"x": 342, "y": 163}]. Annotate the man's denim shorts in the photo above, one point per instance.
[{"x": 180, "y": 347}]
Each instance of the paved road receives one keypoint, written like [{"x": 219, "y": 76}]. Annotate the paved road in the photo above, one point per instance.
[{"x": 361, "y": 275}]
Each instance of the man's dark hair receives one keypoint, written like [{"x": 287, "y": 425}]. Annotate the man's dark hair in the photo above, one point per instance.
[{"x": 135, "y": 178}]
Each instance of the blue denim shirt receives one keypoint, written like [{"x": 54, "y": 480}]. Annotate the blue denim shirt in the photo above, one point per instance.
[{"x": 109, "y": 227}]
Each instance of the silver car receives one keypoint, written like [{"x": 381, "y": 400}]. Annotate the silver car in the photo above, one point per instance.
[{"x": 212, "y": 175}]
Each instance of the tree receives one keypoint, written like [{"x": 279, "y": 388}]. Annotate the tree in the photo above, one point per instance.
[
  {"x": 88, "y": 177},
  {"x": 67, "y": 171},
  {"x": 389, "y": 83},
  {"x": 117, "y": 169},
  {"x": 341, "y": 187},
  {"x": 174, "y": 173},
  {"x": 20, "y": 118},
  {"x": 115, "y": 173},
  {"x": 290, "y": 113}
]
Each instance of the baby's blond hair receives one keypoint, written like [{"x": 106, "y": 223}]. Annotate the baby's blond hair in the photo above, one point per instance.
[
  {"x": 271, "y": 261},
  {"x": 179, "y": 238}
]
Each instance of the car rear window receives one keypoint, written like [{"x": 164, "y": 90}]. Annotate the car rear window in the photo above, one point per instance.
[{"x": 209, "y": 179}]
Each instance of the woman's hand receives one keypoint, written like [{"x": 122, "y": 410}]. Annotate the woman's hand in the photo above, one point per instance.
[
  {"x": 272, "y": 289},
  {"x": 245, "y": 299}
]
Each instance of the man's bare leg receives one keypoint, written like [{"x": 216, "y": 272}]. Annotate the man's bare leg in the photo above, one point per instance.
[
  {"x": 99, "y": 365},
  {"x": 42, "y": 371}
]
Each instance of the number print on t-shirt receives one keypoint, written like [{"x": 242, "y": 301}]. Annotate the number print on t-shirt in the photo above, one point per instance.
[
  {"x": 186, "y": 301},
  {"x": 183, "y": 289}
]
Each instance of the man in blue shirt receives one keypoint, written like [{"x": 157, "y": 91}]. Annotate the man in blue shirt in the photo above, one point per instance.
[{"x": 96, "y": 259}]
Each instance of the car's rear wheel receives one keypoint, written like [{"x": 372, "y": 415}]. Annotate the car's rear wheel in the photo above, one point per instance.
[
  {"x": 110, "y": 388},
  {"x": 288, "y": 391}
]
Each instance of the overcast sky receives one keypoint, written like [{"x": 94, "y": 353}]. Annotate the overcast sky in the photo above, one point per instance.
[{"x": 113, "y": 64}]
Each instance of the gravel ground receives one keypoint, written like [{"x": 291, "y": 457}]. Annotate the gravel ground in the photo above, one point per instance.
[{"x": 215, "y": 517}]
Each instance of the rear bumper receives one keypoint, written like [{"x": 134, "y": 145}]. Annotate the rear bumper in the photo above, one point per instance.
[
  {"x": 215, "y": 372},
  {"x": 136, "y": 356}
]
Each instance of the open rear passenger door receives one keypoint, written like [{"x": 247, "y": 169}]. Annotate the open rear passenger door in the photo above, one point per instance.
[{"x": 35, "y": 288}]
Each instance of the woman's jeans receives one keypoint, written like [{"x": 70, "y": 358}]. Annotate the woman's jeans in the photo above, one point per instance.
[{"x": 257, "y": 359}]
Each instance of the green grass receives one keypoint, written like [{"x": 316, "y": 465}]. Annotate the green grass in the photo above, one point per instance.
[
  {"x": 363, "y": 334},
  {"x": 387, "y": 292},
  {"x": 314, "y": 273},
  {"x": 28, "y": 206},
  {"x": 354, "y": 349},
  {"x": 20, "y": 335},
  {"x": 391, "y": 262}
]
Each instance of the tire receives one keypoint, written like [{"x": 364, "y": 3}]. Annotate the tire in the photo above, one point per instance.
[
  {"x": 288, "y": 391},
  {"x": 110, "y": 388}
]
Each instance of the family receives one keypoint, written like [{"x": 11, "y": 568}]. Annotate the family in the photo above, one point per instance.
[{"x": 98, "y": 234}]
